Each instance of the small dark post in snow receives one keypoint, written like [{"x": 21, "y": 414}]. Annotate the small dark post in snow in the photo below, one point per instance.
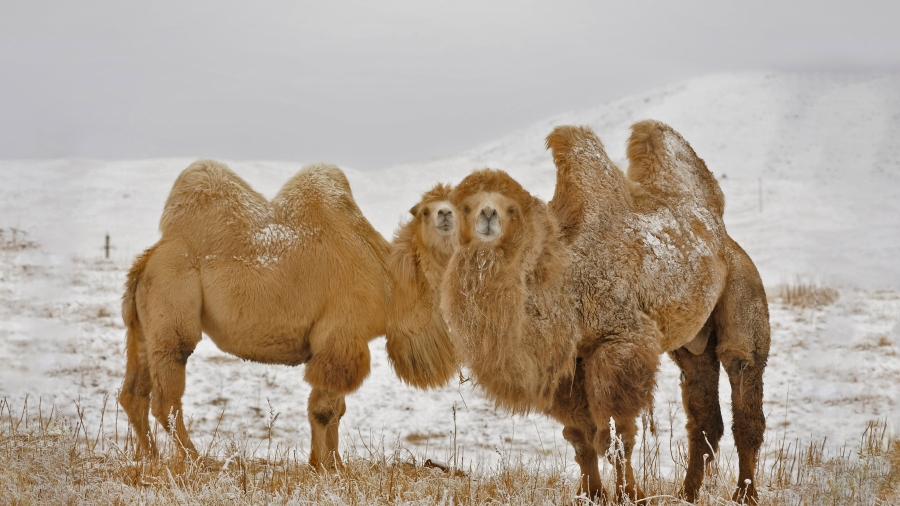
[
  {"x": 107, "y": 246},
  {"x": 760, "y": 194}
]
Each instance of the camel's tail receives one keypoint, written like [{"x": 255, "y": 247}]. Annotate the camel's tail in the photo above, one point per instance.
[
  {"x": 661, "y": 161},
  {"x": 133, "y": 334}
]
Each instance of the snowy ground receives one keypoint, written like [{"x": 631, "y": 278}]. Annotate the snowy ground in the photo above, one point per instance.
[{"x": 821, "y": 153}]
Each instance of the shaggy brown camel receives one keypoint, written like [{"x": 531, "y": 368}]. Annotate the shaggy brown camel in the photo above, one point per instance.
[
  {"x": 652, "y": 270},
  {"x": 418, "y": 346},
  {"x": 302, "y": 279}
]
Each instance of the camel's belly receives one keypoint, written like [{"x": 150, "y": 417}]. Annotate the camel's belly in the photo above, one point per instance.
[
  {"x": 262, "y": 343},
  {"x": 262, "y": 319},
  {"x": 678, "y": 332}
]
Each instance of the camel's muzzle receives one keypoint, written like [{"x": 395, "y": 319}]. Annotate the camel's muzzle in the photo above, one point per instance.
[
  {"x": 443, "y": 221},
  {"x": 487, "y": 225}
]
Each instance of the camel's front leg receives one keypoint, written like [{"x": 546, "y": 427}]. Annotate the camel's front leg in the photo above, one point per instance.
[
  {"x": 626, "y": 486},
  {"x": 325, "y": 410},
  {"x": 586, "y": 457},
  {"x": 620, "y": 376}
]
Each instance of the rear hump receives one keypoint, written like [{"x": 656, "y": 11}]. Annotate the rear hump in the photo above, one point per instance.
[{"x": 663, "y": 163}]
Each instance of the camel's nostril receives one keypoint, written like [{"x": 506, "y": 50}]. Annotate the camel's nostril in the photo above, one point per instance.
[
  {"x": 445, "y": 213},
  {"x": 489, "y": 213}
]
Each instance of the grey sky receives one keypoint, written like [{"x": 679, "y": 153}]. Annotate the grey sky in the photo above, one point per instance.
[{"x": 372, "y": 84}]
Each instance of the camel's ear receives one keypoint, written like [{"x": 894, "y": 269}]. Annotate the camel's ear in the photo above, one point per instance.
[{"x": 414, "y": 210}]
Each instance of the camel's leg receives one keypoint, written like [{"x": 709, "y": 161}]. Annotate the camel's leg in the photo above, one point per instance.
[
  {"x": 586, "y": 457},
  {"x": 135, "y": 394},
  {"x": 339, "y": 364},
  {"x": 626, "y": 486},
  {"x": 621, "y": 375},
  {"x": 700, "y": 395},
  {"x": 168, "y": 368},
  {"x": 325, "y": 410},
  {"x": 571, "y": 408},
  {"x": 742, "y": 323},
  {"x": 749, "y": 424},
  {"x": 169, "y": 307}
]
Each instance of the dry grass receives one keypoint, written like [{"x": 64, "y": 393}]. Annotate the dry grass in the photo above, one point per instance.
[
  {"x": 46, "y": 459},
  {"x": 14, "y": 239},
  {"x": 806, "y": 295}
]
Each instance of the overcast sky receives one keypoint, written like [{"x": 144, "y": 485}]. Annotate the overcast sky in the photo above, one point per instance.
[{"x": 375, "y": 83}]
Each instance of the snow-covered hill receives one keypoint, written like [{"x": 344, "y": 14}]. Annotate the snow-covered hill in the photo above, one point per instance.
[{"x": 810, "y": 166}]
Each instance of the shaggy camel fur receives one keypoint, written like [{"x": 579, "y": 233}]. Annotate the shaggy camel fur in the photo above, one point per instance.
[
  {"x": 418, "y": 346},
  {"x": 302, "y": 279},
  {"x": 506, "y": 294},
  {"x": 652, "y": 270}
]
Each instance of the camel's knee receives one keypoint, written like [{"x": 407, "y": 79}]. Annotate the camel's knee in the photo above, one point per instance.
[
  {"x": 746, "y": 381},
  {"x": 136, "y": 407},
  {"x": 602, "y": 439},
  {"x": 163, "y": 411},
  {"x": 582, "y": 443},
  {"x": 325, "y": 408}
]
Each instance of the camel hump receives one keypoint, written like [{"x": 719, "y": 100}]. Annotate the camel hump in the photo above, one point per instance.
[
  {"x": 585, "y": 177},
  {"x": 208, "y": 189},
  {"x": 316, "y": 188},
  {"x": 662, "y": 162}
]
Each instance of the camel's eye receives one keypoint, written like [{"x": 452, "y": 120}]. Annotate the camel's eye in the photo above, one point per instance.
[
  {"x": 511, "y": 211},
  {"x": 425, "y": 213}
]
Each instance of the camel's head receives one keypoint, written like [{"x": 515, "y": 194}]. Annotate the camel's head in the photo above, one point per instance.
[
  {"x": 436, "y": 218},
  {"x": 494, "y": 207}
]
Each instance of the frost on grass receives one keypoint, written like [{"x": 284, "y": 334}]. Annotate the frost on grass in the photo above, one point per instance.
[{"x": 46, "y": 458}]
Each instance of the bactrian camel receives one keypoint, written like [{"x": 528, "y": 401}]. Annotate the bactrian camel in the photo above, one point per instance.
[
  {"x": 301, "y": 279},
  {"x": 648, "y": 267}
]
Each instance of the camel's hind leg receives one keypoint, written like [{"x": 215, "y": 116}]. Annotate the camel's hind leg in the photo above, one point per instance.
[
  {"x": 135, "y": 395},
  {"x": 169, "y": 307},
  {"x": 742, "y": 324},
  {"x": 700, "y": 395},
  {"x": 325, "y": 410}
]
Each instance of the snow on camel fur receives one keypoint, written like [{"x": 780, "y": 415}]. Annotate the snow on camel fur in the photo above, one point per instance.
[
  {"x": 418, "y": 346},
  {"x": 655, "y": 270},
  {"x": 506, "y": 296},
  {"x": 652, "y": 270},
  {"x": 302, "y": 279}
]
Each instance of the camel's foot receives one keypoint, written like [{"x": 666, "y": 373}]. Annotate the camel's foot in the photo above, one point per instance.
[
  {"x": 630, "y": 493},
  {"x": 745, "y": 493}
]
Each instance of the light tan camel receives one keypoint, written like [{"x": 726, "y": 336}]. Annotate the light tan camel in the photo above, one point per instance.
[
  {"x": 302, "y": 279},
  {"x": 652, "y": 270},
  {"x": 418, "y": 346}
]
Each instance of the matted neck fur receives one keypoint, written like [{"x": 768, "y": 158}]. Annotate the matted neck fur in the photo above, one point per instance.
[
  {"x": 508, "y": 280},
  {"x": 418, "y": 347}
]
